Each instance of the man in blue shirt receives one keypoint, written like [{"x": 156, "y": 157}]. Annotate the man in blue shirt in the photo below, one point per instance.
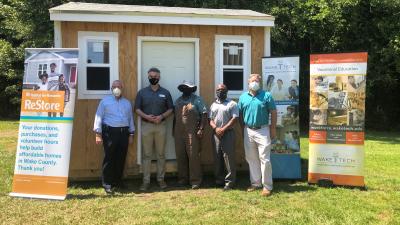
[
  {"x": 255, "y": 107},
  {"x": 114, "y": 128}
]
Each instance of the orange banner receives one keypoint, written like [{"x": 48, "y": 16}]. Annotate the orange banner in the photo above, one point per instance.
[
  {"x": 317, "y": 136},
  {"x": 42, "y": 101},
  {"x": 356, "y": 57},
  {"x": 40, "y": 185},
  {"x": 337, "y": 179},
  {"x": 355, "y": 138}
]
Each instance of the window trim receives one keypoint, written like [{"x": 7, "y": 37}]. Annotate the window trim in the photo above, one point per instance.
[
  {"x": 219, "y": 42},
  {"x": 40, "y": 69},
  {"x": 83, "y": 37}
]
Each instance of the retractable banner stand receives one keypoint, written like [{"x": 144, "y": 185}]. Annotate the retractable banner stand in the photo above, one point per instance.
[
  {"x": 281, "y": 79},
  {"x": 45, "y": 129},
  {"x": 337, "y": 116}
]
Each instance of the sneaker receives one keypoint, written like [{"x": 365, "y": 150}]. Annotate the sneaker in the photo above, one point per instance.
[
  {"x": 266, "y": 192},
  {"x": 144, "y": 187},
  {"x": 195, "y": 186},
  {"x": 227, "y": 188},
  {"x": 219, "y": 184},
  {"x": 108, "y": 190},
  {"x": 253, "y": 188},
  {"x": 162, "y": 184}
]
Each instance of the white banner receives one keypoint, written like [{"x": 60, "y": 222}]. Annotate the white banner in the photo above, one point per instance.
[
  {"x": 45, "y": 130},
  {"x": 281, "y": 79}
]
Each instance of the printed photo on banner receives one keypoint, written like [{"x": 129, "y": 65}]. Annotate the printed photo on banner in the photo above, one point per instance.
[
  {"x": 280, "y": 78},
  {"x": 49, "y": 71},
  {"x": 337, "y": 100},
  {"x": 319, "y": 84},
  {"x": 282, "y": 88},
  {"x": 318, "y": 117},
  {"x": 287, "y": 129}
]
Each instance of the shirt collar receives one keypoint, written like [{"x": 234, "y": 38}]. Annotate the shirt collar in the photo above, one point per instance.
[
  {"x": 257, "y": 93},
  {"x": 218, "y": 101},
  {"x": 151, "y": 89}
]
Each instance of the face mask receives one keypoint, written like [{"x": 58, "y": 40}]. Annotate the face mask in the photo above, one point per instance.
[
  {"x": 254, "y": 86},
  {"x": 187, "y": 92},
  {"x": 116, "y": 92},
  {"x": 153, "y": 81},
  {"x": 222, "y": 94}
]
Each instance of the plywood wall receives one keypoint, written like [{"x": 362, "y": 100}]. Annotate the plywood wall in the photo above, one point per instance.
[{"x": 86, "y": 156}]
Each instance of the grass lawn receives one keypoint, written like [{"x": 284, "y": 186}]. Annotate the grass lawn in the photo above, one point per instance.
[{"x": 291, "y": 203}]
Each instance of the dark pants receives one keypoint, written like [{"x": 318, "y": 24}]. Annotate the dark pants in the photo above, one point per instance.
[
  {"x": 224, "y": 153},
  {"x": 115, "y": 143}
]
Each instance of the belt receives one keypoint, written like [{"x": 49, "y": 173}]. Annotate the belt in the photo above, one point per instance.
[
  {"x": 256, "y": 127},
  {"x": 110, "y": 128},
  {"x": 148, "y": 121}
]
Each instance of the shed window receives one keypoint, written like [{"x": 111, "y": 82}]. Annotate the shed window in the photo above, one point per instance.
[
  {"x": 98, "y": 63},
  {"x": 233, "y": 62}
]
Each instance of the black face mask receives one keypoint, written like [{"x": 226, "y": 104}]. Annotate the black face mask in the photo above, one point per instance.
[
  {"x": 153, "y": 81},
  {"x": 222, "y": 94},
  {"x": 187, "y": 92}
]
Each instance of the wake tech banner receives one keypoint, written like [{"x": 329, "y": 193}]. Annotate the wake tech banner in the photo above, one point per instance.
[
  {"x": 337, "y": 118},
  {"x": 45, "y": 128}
]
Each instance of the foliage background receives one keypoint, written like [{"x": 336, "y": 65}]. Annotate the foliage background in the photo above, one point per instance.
[{"x": 301, "y": 27}]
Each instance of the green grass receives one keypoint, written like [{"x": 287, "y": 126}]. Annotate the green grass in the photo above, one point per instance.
[{"x": 291, "y": 203}]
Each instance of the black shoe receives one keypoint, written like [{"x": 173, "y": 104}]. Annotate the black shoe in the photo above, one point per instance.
[
  {"x": 219, "y": 184},
  {"x": 121, "y": 186},
  {"x": 182, "y": 183}
]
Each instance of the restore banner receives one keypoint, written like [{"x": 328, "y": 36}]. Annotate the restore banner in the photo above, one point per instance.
[
  {"x": 337, "y": 118},
  {"x": 45, "y": 128}
]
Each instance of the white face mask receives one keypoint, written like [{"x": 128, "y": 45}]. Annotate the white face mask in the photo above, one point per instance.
[
  {"x": 116, "y": 92},
  {"x": 254, "y": 86}
]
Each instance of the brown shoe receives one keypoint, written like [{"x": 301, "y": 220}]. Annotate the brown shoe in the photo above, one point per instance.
[
  {"x": 144, "y": 187},
  {"x": 162, "y": 184},
  {"x": 253, "y": 188},
  {"x": 266, "y": 192}
]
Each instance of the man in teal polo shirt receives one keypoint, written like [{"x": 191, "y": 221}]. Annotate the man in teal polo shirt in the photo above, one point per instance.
[{"x": 255, "y": 106}]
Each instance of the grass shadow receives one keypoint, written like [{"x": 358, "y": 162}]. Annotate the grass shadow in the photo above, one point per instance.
[
  {"x": 131, "y": 186},
  {"x": 386, "y": 137}
]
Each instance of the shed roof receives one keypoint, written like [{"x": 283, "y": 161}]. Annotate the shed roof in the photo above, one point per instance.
[{"x": 93, "y": 12}]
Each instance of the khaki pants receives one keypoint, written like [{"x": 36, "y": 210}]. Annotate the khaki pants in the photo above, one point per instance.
[
  {"x": 153, "y": 137},
  {"x": 187, "y": 149},
  {"x": 257, "y": 146}
]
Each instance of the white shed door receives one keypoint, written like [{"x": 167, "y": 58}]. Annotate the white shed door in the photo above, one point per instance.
[{"x": 176, "y": 61}]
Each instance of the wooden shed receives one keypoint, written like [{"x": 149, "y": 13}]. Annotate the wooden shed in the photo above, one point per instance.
[{"x": 207, "y": 46}]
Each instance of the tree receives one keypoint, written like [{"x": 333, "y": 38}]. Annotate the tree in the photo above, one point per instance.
[{"x": 301, "y": 27}]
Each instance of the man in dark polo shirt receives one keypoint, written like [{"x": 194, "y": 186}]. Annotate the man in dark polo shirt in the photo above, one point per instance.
[{"x": 153, "y": 104}]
